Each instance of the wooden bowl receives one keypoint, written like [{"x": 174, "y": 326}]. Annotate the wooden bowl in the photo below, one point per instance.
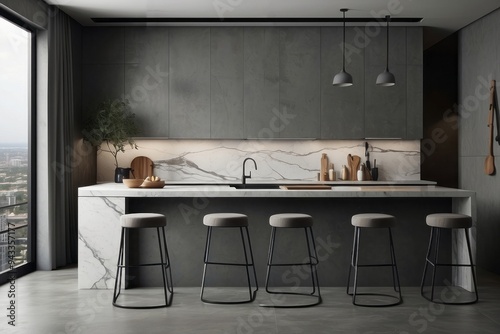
[
  {"x": 153, "y": 184},
  {"x": 133, "y": 183}
]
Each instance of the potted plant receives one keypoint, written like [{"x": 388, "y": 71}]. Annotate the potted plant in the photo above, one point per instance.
[{"x": 111, "y": 129}]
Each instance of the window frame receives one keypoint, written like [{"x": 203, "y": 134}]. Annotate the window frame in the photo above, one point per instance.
[{"x": 30, "y": 265}]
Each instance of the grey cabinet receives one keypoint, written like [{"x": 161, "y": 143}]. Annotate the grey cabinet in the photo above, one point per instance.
[
  {"x": 299, "y": 67},
  {"x": 385, "y": 107},
  {"x": 146, "y": 78},
  {"x": 342, "y": 108},
  {"x": 189, "y": 82},
  {"x": 226, "y": 82},
  {"x": 261, "y": 83},
  {"x": 257, "y": 82},
  {"x": 415, "y": 93}
]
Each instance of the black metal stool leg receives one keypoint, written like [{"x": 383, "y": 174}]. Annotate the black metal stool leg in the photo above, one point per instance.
[
  {"x": 249, "y": 262},
  {"x": 312, "y": 264},
  {"x": 355, "y": 264},
  {"x": 435, "y": 236},
  {"x": 473, "y": 273},
  {"x": 163, "y": 264}
]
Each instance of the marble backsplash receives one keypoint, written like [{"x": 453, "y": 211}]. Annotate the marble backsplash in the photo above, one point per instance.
[{"x": 215, "y": 161}]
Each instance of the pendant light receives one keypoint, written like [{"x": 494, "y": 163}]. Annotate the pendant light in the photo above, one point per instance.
[
  {"x": 343, "y": 79},
  {"x": 386, "y": 78}
]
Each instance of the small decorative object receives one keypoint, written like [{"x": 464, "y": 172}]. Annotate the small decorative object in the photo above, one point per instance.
[
  {"x": 375, "y": 170},
  {"x": 153, "y": 182},
  {"x": 361, "y": 172},
  {"x": 111, "y": 129}
]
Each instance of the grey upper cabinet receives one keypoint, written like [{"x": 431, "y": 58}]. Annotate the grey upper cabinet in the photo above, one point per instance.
[
  {"x": 189, "y": 82},
  {"x": 415, "y": 93},
  {"x": 146, "y": 78},
  {"x": 299, "y": 67},
  {"x": 385, "y": 107},
  {"x": 226, "y": 82},
  {"x": 257, "y": 82},
  {"x": 342, "y": 108},
  {"x": 261, "y": 83}
]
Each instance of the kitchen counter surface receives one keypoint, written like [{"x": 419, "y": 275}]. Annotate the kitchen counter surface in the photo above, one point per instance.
[{"x": 120, "y": 190}]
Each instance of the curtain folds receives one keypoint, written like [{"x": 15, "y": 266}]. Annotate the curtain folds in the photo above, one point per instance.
[{"x": 63, "y": 241}]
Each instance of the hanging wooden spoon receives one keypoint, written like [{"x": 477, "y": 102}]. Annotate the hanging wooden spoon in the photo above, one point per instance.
[{"x": 489, "y": 164}]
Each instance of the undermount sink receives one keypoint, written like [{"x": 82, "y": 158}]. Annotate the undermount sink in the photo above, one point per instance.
[{"x": 255, "y": 186}]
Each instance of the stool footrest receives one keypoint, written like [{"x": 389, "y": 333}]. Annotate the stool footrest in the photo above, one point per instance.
[{"x": 230, "y": 264}]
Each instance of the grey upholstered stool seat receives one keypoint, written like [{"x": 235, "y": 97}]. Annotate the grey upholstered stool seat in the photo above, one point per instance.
[
  {"x": 294, "y": 221},
  {"x": 449, "y": 220},
  {"x": 291, "y": 220},
  {"x": 225, "y": 220},
  {"x": 229, "y": 220},
  {"x": 137, "y": 221},
  {"x": 438, "y": 222},
  {"x": 376, "y": 220},
  {"x": 365, "y": 221},
  {"x": 143, "y": 220}
]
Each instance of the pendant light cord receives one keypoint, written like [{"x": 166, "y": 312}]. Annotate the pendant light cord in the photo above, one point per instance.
[
  {"x": 387, "y": 18},
  {"x": 343, "y": 40}
]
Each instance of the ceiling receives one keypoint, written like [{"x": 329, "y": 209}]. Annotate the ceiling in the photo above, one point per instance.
[{"x": 440, "y": 17}]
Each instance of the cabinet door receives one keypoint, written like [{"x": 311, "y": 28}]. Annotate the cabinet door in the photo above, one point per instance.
[
  {"x": 342, "y": 108},
  {"x": 189, "y": 82},
  {"x": 299, "y": 82},
  {"x": 146, "y": 78},
  {"x": 385, "y": 108},
  {"x": 226, "y": 82},
  {"x": 415, "y": 95},
  {"x": 261, "y": 83}
]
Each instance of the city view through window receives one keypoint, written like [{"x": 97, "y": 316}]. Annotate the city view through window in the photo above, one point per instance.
[{"x": 15, "y": 60}]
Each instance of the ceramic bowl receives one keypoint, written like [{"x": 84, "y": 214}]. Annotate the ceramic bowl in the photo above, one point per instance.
[{"x": 133, "y": 183}]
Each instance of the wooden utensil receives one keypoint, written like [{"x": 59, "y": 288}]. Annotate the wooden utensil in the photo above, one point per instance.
[
  {"x": 353, "y": 162},
  {"x": 489, "y": 164},
  {"x": 142, "y": 167}
]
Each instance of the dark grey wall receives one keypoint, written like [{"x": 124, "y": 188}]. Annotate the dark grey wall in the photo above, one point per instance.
[
  {"x": 332, "y": 230},
  {"x": 439, "y": 146},
  {"x": 479, "y": 62}
]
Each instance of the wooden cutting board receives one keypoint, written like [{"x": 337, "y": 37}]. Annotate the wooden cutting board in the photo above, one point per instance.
[
  {"x": 142, "y": 167},
  {"x": 353, "y": 162},
  {"x": 306, "y": 187}
]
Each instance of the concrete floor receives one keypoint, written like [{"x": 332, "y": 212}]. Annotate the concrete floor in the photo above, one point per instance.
[{"x": 50, "y": 303}]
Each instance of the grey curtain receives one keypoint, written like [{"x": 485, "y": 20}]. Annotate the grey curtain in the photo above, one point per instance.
[{"x": 61, "y": 110}]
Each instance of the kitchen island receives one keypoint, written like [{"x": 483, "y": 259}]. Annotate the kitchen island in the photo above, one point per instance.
[{"x": 100, "y": 207}]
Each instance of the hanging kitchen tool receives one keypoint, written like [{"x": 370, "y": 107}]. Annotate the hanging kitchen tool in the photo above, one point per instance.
[
  {"x": 142, "y": 167},
  {"x": 367, "y": 176},
  {"x": 367, "y": 156},
  {"x": 496, "y": 115},
  {"x": 489, "y": 164}
]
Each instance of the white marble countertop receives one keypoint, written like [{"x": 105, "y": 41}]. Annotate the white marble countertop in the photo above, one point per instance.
[{"x": 120, "y": 190}]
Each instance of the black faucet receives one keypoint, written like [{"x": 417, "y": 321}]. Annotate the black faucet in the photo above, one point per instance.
[{"x": 249, "y": 176}]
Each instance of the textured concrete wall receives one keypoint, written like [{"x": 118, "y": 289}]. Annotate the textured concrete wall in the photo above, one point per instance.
[{"x": 479, "y": 62}]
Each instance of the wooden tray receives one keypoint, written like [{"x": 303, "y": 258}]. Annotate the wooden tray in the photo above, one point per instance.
[
  {"x": 306, "y": 187},
  {"x": 153, "y": 184}
]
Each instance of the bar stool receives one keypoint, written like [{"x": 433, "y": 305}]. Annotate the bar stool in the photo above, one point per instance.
[
  {"x": 373, "y": 220},
  {"x": 144, "y": 220},
  {"x": 228, "y": 220},
  {"x": 294, "y": 220},
  {"x": 438, "y": 222}
]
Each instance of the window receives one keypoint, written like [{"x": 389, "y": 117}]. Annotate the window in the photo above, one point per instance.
[{"x": 16, "y": 164}]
